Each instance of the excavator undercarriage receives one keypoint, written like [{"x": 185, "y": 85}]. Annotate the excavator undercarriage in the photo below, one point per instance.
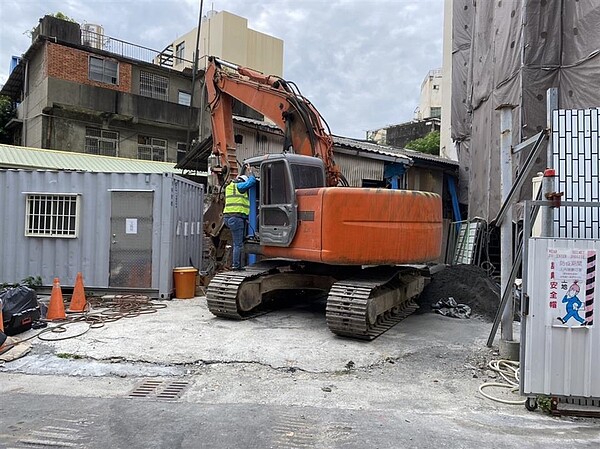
[{"x": 361, "y": 302}]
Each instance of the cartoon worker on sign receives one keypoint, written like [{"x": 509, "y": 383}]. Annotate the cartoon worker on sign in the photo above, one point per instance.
[{"x": 573, "y": 304}]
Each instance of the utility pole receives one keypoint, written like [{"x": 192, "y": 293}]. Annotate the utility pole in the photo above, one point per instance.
[{"x": 194, "y": 71}]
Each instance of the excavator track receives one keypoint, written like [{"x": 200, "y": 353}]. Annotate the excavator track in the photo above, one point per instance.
[
  {"x": 350, "y": 303},
  {"x": 222, "y": 292}
]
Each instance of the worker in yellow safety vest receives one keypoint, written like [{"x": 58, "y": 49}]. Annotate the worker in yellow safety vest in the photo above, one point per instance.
[{"x": 235, "y": 213}]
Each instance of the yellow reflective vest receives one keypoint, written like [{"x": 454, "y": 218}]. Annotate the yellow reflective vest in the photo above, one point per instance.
[{"x": 235, "y": 201}]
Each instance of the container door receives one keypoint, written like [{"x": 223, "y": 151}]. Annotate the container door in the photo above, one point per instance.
[
  {"x": 278, "y": 207},
  {"x": 131, "y": 239}
]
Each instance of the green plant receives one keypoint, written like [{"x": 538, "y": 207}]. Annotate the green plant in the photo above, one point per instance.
[
  {"x": 7, "y": 112},
  {"x": 30, "y": 281},
  {"x": 544, "y": 403},
  {"x": 430, "y": 144}
]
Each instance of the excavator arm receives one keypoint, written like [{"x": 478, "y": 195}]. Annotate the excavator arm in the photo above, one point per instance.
[{"x": 276, "y": 99}]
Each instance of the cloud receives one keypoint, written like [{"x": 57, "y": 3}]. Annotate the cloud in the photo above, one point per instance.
[{"x": 361, "y": 63}]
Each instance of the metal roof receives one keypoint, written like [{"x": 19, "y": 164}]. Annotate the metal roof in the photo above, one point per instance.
[
  {"x": 391, "y": 151},
  {"x": 37, "y": 158}
]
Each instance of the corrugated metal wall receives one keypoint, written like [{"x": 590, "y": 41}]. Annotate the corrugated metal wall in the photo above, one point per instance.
[
  {"x": 257, "y": 143},
  {"x": 561, "y": 358},
  {"x": 355, "y": 168},
  {"x": 177, "y": 206}
]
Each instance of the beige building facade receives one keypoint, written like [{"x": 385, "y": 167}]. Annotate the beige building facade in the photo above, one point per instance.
[{"x": 228, "y": 37}]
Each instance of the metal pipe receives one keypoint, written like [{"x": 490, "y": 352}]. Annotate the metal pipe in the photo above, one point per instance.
[
  {"x": 506, "y": 241},
  {"x": 548, "y": 181}
]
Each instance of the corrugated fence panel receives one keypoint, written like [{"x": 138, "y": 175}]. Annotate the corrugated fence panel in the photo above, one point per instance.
[
  {"x": 562, "y": 341},
  {"x": 355, "y": 169}
]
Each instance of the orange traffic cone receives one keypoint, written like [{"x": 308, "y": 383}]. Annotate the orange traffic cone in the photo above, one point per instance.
[
  {"x": 56, "y": 307},
  {"x": 78, "y": 302}
]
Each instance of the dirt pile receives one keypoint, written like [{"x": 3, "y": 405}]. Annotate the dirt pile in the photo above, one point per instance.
[{"x": 467, "y": 284}]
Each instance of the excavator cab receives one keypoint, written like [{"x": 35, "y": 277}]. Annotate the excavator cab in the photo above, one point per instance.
[{"x": 280, "y": 176}]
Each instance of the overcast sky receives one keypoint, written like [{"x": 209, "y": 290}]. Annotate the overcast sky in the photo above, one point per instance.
[{"x": 361, "y": 63}]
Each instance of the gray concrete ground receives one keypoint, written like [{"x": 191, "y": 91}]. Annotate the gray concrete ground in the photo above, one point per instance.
[{"x": 278, "y": 380}]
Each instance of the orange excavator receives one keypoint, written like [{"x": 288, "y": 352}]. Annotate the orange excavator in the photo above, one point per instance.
[{"x": 365, "y": 248}]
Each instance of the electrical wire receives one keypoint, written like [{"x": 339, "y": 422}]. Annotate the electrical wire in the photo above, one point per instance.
[
  {"x": 98, "y": 313},
  {"x": 509, "y": 371}
]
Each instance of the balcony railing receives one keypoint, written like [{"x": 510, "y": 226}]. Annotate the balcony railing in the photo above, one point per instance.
[{"x": 125, "y": 49}]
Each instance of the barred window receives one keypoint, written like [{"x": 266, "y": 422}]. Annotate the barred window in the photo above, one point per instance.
[
  {"x": 52, "y": 215},
  {"x": 101, "y": 141},
  {"x": 103, "y": 70},
  {"x": 154, "y": 86},
  {"x": 152, "y": 149}
]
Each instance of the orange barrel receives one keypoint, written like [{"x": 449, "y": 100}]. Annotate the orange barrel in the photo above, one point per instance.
[{"x": 185, "y": 282}]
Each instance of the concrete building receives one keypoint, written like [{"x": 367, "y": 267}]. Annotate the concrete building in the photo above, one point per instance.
[
  {"x": 228, "y": 37},
  {"x": 93, "y": 96},
  {"x": 430, "y": 103}
]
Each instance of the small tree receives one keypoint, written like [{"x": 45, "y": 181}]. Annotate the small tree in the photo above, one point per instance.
[
  {"x": 7, "y": 112},
  {"x": 61, "y": 16},
  {"x": 430, "y": 144}
]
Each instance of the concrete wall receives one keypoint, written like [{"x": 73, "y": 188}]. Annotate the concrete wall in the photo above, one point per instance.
[
  {"x": 431, "y": 94},
  {"x": 447, "y": 148}
]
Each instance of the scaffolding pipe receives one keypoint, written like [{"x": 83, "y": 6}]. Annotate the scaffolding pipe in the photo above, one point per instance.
[
  {"x": 506, "y": 241},
  {"x": 549, "y": 175}
]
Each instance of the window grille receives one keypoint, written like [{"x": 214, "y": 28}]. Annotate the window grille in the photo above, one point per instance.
[
  {"x": 154, "y": 86},
  {"x": 103, "y": 70},
  {"x": 101, "y": 141},
  {"x": 52, "y": 215},
  {"x": 152, "y": 149}
]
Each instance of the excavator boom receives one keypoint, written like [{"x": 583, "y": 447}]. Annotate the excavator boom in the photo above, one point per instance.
[{"x": 276, "y": 99}]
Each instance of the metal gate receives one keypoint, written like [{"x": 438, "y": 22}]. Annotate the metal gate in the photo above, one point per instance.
[{"x": 131, "y": 239}]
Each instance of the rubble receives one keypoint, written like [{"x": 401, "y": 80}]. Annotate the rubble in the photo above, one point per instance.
[{"x": 467, "y": 284}]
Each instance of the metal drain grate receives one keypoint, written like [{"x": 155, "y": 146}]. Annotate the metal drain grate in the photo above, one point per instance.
[{"x": 158, "y": 389}]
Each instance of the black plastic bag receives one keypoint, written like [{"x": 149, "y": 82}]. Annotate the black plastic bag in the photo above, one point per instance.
[{"x": 20, "y": 308}]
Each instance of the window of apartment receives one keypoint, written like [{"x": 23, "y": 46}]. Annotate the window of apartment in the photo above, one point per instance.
[
  {"x": 436, "y": 112},
  {"x": 181, "y": 151},
  {"x": 184, "y": 98},
  {"x": 436, "y": 87},
  {"x": 101, "y": 141},
  {"x": 154, "y": 86},
  {"x": 152, "y": 149},
  {"x": 103, "y": 70},
  {"x": 179, "y": 52},
  {"x": 52, "y": 215}
]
